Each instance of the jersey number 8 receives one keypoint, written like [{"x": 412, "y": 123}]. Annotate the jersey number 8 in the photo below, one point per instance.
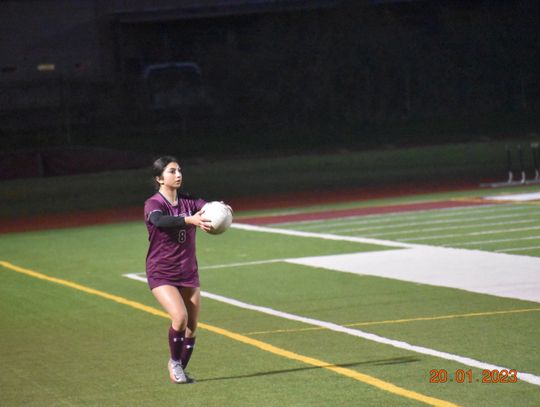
[{"x": 182, "y": 236}]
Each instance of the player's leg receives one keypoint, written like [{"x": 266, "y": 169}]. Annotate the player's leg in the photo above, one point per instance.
[
  {"x": 170, "y": 299},
  {"x": 172, "y": 302},
  {"x": 192, "y": 301},
  {"x": 191, "y": 297}
]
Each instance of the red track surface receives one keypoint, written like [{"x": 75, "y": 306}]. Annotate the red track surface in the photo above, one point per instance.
[{"x": 53, "y": 221}]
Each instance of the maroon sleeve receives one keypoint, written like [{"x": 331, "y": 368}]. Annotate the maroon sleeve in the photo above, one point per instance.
[
  {"x": 151, "y": 205},
  {"x": 199, "y": 203}
]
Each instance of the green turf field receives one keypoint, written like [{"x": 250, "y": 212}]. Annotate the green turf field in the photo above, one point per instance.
[{"x": 76, "y": 331}]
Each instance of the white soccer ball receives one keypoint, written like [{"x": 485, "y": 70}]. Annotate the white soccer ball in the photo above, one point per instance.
[{"x": 219, "y": 214}]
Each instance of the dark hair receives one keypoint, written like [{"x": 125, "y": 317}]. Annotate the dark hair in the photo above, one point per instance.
[{"x": 159, "y": 166}]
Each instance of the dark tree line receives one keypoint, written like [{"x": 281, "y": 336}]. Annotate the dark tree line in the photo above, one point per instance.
[
  {"x": 348, "y": 73},
  {"x": 357, "y": 64}
]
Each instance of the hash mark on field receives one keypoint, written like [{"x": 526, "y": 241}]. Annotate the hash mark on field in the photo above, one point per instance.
[
  {"x": 247, "y": 263},
  {"x": 437, "y": 229},
  {"x": 487, "y": 232},
  {"x": 518, "y": 249},
  {"x": 480, "y": 242},
  {"x": 390, "y": 217},
  {"x": 397, "y": 225}
]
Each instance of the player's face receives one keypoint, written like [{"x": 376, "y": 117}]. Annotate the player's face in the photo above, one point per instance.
[{"x": 171, "y": 176}]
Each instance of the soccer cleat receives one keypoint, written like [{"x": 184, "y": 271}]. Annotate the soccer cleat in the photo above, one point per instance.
[{"x": 176, "y": 371}]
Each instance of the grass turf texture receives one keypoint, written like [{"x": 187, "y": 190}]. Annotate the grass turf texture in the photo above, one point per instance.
[
  {"x": 499, "y": 228},
  {"x": 64, "y": 347}
]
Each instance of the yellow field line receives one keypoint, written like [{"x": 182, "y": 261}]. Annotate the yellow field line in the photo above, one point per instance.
[
  {"x": 364, "y": 378},
  {"x": 401, "y": 321},
  {"x": 471, "y": 314}
]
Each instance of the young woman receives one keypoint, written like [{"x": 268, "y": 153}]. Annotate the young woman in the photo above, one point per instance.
[{"x": 171, "y": 264}]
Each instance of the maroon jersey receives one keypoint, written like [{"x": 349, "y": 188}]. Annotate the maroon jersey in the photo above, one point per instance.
[{"x": 171, "y": 257}]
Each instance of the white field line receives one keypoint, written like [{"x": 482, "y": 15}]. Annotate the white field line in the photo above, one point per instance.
[
  {"x": 136, "y": 276},
  {"x": 420, "y": 218},
  {"x": 438, "y": 229},
  {"x": 487, "y": 232},
  {"x": 374, "y": 217},
  {"x": 526, "y": 377},
  {"x": 142, "y": 276},
  {"x": 517, "y": 249},
  {"x": 524, "y": 197},
  {"x": 247, "y": 263},
  {"x": 397, "y": 225},
  {"x": 480, "y": 242},
  {"x": 325, "y": 236},
  {"x": 389, "y": 217}
]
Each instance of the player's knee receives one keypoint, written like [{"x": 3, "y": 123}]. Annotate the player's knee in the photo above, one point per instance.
[{"x": 179, "y": 321}]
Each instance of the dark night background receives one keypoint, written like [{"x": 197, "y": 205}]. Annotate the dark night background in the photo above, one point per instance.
[{"x": 260, "y": 77}]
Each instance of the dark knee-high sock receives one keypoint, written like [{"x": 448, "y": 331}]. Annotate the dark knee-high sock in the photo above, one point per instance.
[
  {"x": 176, "y": 341},
  {"x": 187, "y": 350}
]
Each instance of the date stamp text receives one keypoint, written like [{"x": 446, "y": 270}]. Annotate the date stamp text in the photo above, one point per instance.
[{"x": 467, "y": 376}]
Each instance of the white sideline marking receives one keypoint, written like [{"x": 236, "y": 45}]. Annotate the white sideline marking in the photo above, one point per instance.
[
  {"x": 325, "y": 236},
  {"x": 526, "y": 377},
  {"x": 136, "y": 276},
  {"x": 534, "y": 196},
  {"x": 142, "y": 276}
]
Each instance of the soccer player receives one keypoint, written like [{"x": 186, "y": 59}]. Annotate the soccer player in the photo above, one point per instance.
[{"x": 171, "y": 264}]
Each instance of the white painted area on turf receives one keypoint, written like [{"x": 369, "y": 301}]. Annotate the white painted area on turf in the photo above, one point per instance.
[
  {"x": 526, "y": 377},
  {"x": 481, "y": 272},
  {"x": 533, "y": 196},
  {"x": 498, "y": 274}
]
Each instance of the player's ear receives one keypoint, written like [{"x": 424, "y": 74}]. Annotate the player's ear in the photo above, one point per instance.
[{"x": 159, "y": 180}]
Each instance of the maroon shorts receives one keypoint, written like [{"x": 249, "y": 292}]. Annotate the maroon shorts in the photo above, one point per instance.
[{"x": 157, "y": 279}]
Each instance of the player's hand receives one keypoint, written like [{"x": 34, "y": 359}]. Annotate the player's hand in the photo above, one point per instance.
[{"x": 198, "y": 220}]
